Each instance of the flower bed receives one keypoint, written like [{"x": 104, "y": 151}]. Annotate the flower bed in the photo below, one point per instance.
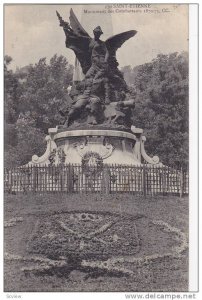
[{"x": 103, "y": 241}]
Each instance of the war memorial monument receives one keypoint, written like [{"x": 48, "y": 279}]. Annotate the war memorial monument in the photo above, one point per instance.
[{"x": 98, "y": 125}]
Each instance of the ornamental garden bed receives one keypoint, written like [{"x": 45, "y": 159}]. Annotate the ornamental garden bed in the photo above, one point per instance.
[{"x": 115, "y": 243}]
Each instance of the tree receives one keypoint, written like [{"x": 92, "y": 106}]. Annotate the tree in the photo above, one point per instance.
[
  {"x": 162, "y": 106},
  {"x": 10, "y": 92},
  {"x": 33, "y": 96},
  {"x": 45, "y": 91}
]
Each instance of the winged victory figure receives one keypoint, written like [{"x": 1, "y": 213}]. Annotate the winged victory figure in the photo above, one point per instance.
[{"x": 103, "y": 83}]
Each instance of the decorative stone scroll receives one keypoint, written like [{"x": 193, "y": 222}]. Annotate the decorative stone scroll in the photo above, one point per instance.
[
  {"x": 151, "y": 160},
  {"x": 44, "y": 159}
]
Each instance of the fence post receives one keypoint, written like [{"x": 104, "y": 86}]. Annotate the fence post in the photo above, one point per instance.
[
  {"x": 165, "y": 176},
  {"x": 61, "y": 178},
  {"x": 181, "y": 183},
  {"x": 34, "y": 178},
  {"x": 6, "y": 180},
  {"x": 144, "y": 181},
  {"x": 70, "y": 178},
  {"x": 11, "y": 180},
  {"x": 105, "y": 184}
]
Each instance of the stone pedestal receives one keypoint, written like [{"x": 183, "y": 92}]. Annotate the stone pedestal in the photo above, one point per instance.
[{"x": 92, "y": 145}]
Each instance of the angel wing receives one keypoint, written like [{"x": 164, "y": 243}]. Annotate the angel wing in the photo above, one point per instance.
[
  {"x": 80, "y": 45},
  {"x": 116, "y": 41},
  {"x": 76, "y": 26},
  {"x": 77, "y": 39}
]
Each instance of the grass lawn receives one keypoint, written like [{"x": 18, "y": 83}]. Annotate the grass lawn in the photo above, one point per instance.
[{"x": 63, "y": 242}]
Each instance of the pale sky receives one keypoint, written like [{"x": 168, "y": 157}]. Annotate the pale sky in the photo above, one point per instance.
[{"x": 32, "y": 31}]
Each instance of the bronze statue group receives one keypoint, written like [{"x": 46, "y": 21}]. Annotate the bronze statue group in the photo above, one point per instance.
[{"x": 102, "y": 97}]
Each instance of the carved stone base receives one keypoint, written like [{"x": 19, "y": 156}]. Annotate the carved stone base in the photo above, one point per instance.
[{"x": 92, "y": 145}]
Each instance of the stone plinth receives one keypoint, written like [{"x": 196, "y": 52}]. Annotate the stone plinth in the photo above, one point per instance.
[{"x": 108, "y": 146}]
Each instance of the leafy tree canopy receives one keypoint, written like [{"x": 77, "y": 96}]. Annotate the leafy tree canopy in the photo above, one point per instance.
[
  {"x": 33, "y": 96},
  {"x": 161, "y": 92}
]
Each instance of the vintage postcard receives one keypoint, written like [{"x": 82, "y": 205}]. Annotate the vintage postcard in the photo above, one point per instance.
[{"x": 96, "y": 161}]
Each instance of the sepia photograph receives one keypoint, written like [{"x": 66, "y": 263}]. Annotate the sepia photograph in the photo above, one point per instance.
[{"x": 96, "y": 148}]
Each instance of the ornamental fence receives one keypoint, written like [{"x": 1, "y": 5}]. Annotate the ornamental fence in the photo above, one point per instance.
[{"x": 143, "y": 180}]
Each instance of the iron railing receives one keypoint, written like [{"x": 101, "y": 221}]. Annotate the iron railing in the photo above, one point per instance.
[{"x": 73, "y": 178}]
